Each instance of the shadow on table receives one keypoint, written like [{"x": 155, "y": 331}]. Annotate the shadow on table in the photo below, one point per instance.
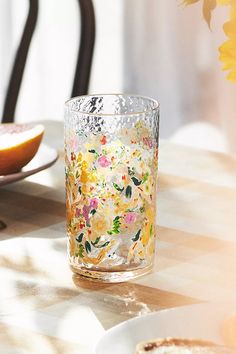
[
  {"x": 2, "y": 225},
  {"x": 120, "y": 301},
  {"x": 27, "y": 208}
]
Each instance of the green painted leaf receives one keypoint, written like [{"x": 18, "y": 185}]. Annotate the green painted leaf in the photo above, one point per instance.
[
  {"x": 93, "y": 211},
  {"x": 115, "y": 231},
  {"x": 136, "y": 237},
  {"x": 151, "y": 229},
  {"x": 96, "y": 245},
  {"x": 116, "y": 226},
  {"x": 96, "y": 241},
  {"x": 79, "y": 189},
  {"x": 92, "y": 151},
  {"x": 145, "y": 177},
  {"x": 117, "y": 187},
  {"x": 87, "y": 247},
  {"x": 104, "y": 244},
  {"x": 81, "y": 251},
  {"x": 136, "y": 181},
  {"x": 80, "y": 237},
  {"x": 77, "y": 174},
  {"x": 142, "y": 209},
  {"x": 128, "y": 192}
]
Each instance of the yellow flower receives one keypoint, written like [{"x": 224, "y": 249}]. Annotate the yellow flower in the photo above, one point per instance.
[
  {"x": 228, "y": 57},
  {"x": 148, "y": 228},
  {"x": 79, "y": 157},
  {"x": 150, "y": 214},
  {"x": 145, "y": 234},
  {"x": 93, "y": 177},
  {"x": 151, "y": 248},
  {"x": 100, "y": 224},
  {"x": 228, "y": 49},
  {"x": 84, "y": 165},
  {"x": 85, "y": 189},
  {"x": 88, "y": 160},
  {"x": 84, "y": 176}
]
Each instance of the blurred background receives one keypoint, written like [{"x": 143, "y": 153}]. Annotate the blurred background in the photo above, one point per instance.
[{"x": 152, "y": 47}]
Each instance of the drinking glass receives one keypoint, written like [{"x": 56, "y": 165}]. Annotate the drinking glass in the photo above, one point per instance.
[{"x": 111, "y": 153}]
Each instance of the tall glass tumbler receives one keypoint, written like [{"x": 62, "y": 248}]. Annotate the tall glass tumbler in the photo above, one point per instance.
[{"x": 111, "y": 152}]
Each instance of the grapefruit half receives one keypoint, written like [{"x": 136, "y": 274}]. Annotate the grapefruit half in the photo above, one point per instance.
[{"x": 18, "y": 145}]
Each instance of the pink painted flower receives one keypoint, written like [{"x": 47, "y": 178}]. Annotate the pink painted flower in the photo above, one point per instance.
[
  {"x": 86, "y": 210},
  {"x": 130, "y": 218},
  {"x": 73, "y": 143},
  {"x": 104, "y": 161},
  {"x": 94, "y": 203},
  {"x": 148, "y": 141},
  {"x": 78, "y": 212}
]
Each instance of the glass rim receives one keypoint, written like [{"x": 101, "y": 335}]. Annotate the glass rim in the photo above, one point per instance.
[{"x": 155, "y": 108}]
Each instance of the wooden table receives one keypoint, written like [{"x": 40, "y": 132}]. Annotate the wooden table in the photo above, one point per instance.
[{"x": 43, "y": 309}]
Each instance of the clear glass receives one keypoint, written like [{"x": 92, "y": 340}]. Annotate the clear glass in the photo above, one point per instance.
[{"x": 111, "y": 152}]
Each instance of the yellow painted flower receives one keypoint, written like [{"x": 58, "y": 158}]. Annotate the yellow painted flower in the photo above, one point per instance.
[
  {"x": 93, "y": 177},
  {"x": 151, "y": 248},
  {"x": 145, "y": 234},
  {"x": 148, "y": 228},
  {"x": 100, "y": 224},
  {"x": 84, "y": 176},
  {"x": 79, "y": 157},
  {"x": 150, "y": 214},
  {"x": 84, "y": 165},
  {"x": 85, "y": 189},
  {"x": 89, "y": 159}
]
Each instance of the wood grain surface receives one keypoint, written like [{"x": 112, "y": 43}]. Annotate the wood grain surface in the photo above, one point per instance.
[{"x": 44, "y": 308}]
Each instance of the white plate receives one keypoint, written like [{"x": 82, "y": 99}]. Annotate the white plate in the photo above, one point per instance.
[
  {"x": 203, "y": 321},
  {"x": 44, "y": 158}
]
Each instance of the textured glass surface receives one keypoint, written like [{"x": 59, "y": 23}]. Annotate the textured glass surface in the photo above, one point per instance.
[{"x": 111, "y": 150}]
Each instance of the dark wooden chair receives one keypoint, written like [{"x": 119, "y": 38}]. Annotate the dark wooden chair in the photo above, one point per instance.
[{"x": 84, "y": 59}]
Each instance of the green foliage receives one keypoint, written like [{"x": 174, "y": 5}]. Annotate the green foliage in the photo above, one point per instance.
[
  {"x": 87, "y": 247},
  {"x": 145, "y": 177},
  {"x": 136, "y": 181},
  {"x": 81, "y": 251},
  {"x": 128, "y": 192},
  {"x": 136, "y": 237},
  {"x": 80, "y": 237},
  {"x": 117, "y": 187},
  {"x": 116, "y": 226}
]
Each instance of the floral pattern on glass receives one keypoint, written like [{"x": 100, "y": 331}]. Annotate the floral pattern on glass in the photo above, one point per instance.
[{"x": 110, "y": 196}]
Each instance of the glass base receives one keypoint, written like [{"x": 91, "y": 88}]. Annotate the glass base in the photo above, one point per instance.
[{"x": 110, "y": 276}]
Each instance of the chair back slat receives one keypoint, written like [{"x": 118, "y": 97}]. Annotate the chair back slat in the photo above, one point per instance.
[
  {"x": 17, "y": 72},
  {"x": 86, "y": 47},
  {"x": 84, "y": 57}
]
